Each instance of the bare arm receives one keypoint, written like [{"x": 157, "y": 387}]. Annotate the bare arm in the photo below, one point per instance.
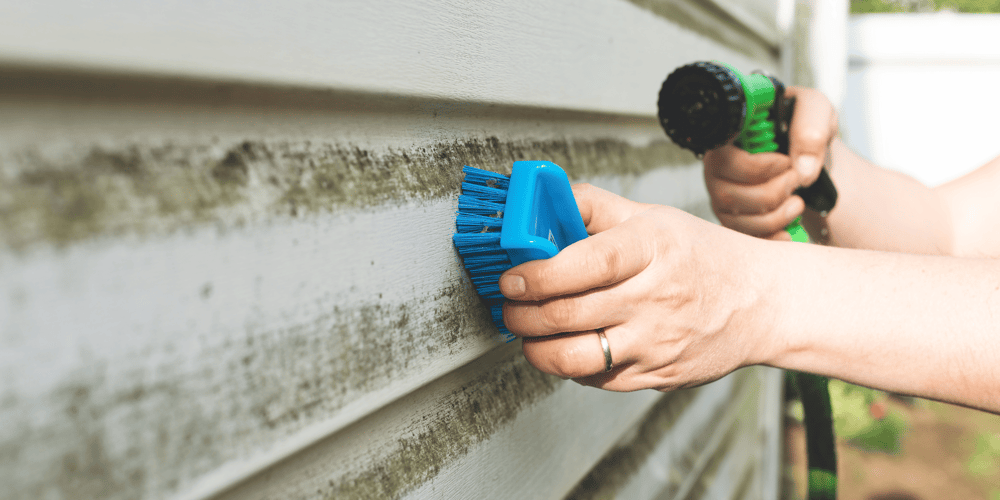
[
  {"x": 916, "y": 324},
  {"x": 973, "y": 205},
  {"x": 683, "y": 302},
  {"x": 880, "y": 209}
]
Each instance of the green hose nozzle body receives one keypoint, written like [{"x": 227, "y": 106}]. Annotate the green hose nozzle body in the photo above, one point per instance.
[
  {"x": 704, "y": 105},
  {"x": 758, "y": 132}
]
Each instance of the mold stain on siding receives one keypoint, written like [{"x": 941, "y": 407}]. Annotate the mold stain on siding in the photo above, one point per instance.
[
  {"x": 117, "y": 437},
  {"x": 710, "y": 474},
  {"x": 410, "y": 442},
  {"x": 468, "y": 416},
  {"x": 154, "y": 429},
  {"x": 94, "y": 191},
  {"x": 614, "y": 471}
]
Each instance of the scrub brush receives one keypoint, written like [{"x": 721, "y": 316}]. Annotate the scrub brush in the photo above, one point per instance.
[{"x": 506, "y": 221}]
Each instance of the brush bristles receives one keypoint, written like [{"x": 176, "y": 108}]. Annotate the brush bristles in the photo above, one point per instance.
[{"x": 480, "y": 218}]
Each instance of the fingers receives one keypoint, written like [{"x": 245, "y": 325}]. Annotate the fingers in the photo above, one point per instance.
[
  {"x": 735, "y": 165},
  {"x": 601, "y": 260},
  {"x": 576, "y": 313},
  {"x": 601, "y": 210},
  {"x": 814, "y": 125},
  {"x": 730, "y": 197},
  {"x": 765, "y": 225},
  {"x": 574, "y": 355}
]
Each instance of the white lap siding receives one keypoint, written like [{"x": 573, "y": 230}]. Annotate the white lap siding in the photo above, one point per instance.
[{"x": 225, "y": 258}]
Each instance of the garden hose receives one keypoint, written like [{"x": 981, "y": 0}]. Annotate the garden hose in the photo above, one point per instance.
[{"x": 705, "y": 105}]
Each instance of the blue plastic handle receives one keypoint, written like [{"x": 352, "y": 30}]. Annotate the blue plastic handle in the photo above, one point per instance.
[{"x": 540, "y": 216}]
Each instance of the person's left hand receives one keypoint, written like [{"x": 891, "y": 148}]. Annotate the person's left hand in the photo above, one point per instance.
[{"x": 682, "y": 301}]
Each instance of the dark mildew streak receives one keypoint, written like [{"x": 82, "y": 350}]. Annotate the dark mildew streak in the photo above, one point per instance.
[
  {"x": 157, "y": 428},
  {"x": 412, "y": 440},
  {"x": 491, "y": 400},
  {"x": 613, "y": 472},
  {"x": 90, "y": 191}
]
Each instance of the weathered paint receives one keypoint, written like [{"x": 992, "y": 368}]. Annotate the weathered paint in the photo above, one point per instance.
[
  {"x": 405, "y": 447},
  {"x": 735, "y": 463},
  {"x": 141, "y": 188},
  {"x": 226, "y": 274},
  {"x": 472, "y": 414},
  {"x": 251, "y": 361},
  {"x": 620, "y": 467},
  {"x": 730, "y": 450},
  {"x": 250, "y": 357}
]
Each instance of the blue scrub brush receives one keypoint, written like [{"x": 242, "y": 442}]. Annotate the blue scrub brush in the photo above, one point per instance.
[{"x": 505, "y": 221}]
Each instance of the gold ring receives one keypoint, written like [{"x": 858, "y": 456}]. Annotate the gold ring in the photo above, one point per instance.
[{"x": 608, "y": 365}]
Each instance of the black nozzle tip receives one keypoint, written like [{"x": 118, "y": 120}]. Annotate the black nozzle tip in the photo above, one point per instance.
[{"x": 701, "y": 106}]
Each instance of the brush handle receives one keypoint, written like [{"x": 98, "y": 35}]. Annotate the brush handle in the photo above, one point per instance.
[{"x": 541, "y": 216}]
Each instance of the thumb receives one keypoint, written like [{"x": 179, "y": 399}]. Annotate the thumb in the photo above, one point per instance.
[
  {"x": 602, "y": 210},
  {"x": 814, "y": 125}
]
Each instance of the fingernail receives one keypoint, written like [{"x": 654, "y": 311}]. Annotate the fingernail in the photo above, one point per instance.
[
  {"x": 512, "y": 286},
  {"x": 805, "y": 165}
]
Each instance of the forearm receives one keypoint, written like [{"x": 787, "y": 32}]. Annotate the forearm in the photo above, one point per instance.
[
  {"x": 880, "y": 209},
  {"x": 922, "y": 325}
]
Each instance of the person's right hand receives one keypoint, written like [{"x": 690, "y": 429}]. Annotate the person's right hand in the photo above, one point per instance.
[{"x": 753, "y": 193}]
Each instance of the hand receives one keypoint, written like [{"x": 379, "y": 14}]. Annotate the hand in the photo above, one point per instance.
[
  {"x": 753, "y": 193},
  {"x": 681, "y": 300}
]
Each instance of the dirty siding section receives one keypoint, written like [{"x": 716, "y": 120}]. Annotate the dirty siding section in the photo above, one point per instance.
[{"x": 227, "y": 273}]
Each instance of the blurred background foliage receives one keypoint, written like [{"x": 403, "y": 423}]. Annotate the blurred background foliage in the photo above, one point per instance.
[{"x": 890, "y": 6}]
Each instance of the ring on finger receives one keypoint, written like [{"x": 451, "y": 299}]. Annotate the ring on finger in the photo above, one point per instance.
[{"x": 608, "y": 365}]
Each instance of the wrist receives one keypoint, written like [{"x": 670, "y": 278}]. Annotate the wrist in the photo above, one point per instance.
[{"x": 770, "y": 279}]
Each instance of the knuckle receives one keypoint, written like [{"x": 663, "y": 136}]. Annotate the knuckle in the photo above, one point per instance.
[
  {"x": 583, "y": 188},
  {"x": 722, "y": 197},
  {"x": 776, "y": 195},
  {"x": 607, "y": 262},
  {"x": 566, "y": 364},
  {"x": 557, "y": 315},
  {"x": 542, "y": 277}
]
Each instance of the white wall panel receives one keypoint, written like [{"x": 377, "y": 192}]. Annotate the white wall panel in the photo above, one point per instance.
[
  {"x": 895, "y": 68},
  {"x": 225, "y": 257}
]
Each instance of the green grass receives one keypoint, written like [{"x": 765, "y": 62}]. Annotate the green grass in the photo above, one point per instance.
[
  {"x": 893, "y": 6},
  {"x": 985, "y": 460},
  {"x": 854, "y": 422}
]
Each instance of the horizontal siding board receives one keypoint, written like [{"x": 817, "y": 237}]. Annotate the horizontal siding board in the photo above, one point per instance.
[
  {"x": 565, "y": 54},
  {"x": 477, "y": 430},
  {"x": 676, "y": 454},
  {"x": 728, "y": 23},
  {"x": 152, "y": 163}
]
